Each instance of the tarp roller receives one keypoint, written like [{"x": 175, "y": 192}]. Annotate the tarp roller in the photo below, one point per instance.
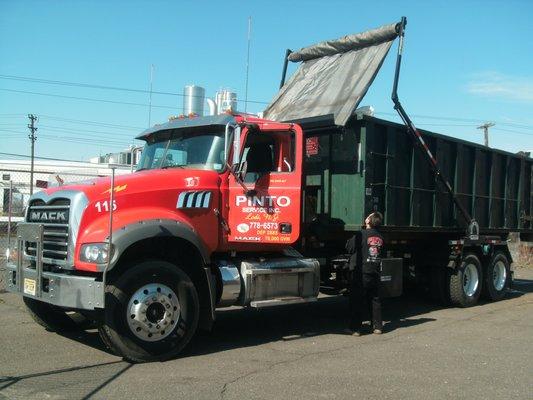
[{"x": 347, "y": 43}]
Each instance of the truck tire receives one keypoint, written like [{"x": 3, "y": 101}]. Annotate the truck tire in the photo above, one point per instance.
[
  {"x": 466, "y": 282},
  {"x": 497, "y": 277},
  {"x": 151, "y": 312},
  {"x": 53, "y": 318}
]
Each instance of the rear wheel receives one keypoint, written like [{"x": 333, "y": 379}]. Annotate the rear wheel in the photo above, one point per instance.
[
  {"x": 497, "y": 277},
  {"x": 151, "y": 312},
  {"x": 54, "y": 318},
  {"x": 466, "y": 282}
]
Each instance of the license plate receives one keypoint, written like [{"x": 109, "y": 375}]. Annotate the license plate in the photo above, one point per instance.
[{"x": 29, "y": 286}]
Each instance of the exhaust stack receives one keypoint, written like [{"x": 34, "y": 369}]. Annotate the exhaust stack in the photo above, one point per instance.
[{"x": 193, "y": 100}]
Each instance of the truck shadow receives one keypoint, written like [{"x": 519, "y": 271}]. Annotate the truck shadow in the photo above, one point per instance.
[
  {"x": 237, "y": 328},
  {"x": 520, "y": 287}
]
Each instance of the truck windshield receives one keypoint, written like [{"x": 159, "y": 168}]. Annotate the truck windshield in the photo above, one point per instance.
[{"x": 186, "y": 150}]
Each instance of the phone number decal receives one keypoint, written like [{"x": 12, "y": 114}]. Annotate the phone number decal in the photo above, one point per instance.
[{"x": 263, "y": 225}]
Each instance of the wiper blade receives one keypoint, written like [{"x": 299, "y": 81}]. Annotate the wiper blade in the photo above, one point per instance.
[{"x": 173, "y": 166}]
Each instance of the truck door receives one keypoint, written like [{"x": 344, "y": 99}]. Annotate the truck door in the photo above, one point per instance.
[{"x": 270, "y": 213}]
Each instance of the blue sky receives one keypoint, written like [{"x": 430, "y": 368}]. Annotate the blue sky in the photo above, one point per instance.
[{"x": 465, "y": 62}]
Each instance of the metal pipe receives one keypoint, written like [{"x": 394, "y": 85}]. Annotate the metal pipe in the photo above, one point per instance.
[
  {"x": 39, "y": 261},
  {"x": 9, "y": 212},
  {"x": 401, "y": 32},
  {"x": 285, "y": 65},
  {"x": 212, "y": 106},
  {"x": 132, "y": 153},
  {"x": 226, "y": 143},
  {"x": 110, "y": 234},
  {"x": 20, "y": 272}
]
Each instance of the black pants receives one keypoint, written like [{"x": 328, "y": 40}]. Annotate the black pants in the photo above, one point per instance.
[{"x": 365, "y": 303}]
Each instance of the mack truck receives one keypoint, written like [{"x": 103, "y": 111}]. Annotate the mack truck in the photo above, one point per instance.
[{"x": 234, "y": 209}]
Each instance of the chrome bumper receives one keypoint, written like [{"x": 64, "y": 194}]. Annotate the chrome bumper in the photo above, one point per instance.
[{"x": 69, "y": 291}]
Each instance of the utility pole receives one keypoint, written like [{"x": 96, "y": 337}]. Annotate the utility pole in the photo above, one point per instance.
[
  {"x": 32, "y": 138},
  {"x": 485, "y": 128},
  {"x": 247, "y": 64},
  {"x": 150, "y": 98}
]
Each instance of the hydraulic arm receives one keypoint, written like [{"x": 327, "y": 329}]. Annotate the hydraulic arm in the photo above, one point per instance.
[{"x": 473, "y": 228}]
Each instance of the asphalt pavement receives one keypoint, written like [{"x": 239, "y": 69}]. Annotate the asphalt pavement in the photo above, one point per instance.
[{"x": 297, "y": 352}]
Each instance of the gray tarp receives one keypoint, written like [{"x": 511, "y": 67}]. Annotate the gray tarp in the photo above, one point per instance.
[{"x": 333, "y": 77}]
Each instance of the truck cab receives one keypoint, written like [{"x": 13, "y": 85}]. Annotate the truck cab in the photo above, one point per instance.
[{"x": 256, "y": 167}]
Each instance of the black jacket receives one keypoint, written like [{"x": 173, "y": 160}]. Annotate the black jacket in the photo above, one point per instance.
[{"x": 366, "y": 249}]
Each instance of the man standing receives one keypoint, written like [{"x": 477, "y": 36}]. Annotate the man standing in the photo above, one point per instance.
[{"x": 366, "y": 258}]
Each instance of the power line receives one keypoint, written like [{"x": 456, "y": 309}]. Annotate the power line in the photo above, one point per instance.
[
  {"x": 10, "y": 131},
  {"x": 132, "y": 90},
  {"x": 474, "y": 121},
  {"x": 95, "y": 144},
  {"x": 68, "y": 130},
  {"x": 86, "y": 136},
  {"x": 510, "y": 131},
  {"x": 85, "y": 122},
  {"x": 467, "y": 125},
  {"x": 42, "y": 158},
  {"x": 103, "y": 87},
  {"x": 84, "y": 140},
  {"x": 85, "y": 98},
  {"x": 56, "y": 138}
]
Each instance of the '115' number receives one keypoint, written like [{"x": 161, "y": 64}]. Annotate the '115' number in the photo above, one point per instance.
[{"x": 104, "y": 206}]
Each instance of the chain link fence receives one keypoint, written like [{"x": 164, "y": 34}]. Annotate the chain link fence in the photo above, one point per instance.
[{"x": 15, "y": 192}]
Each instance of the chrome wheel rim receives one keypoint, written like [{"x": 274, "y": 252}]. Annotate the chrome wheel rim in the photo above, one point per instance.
[
  {"x": 499, "y": 275},
  {"x": 153, "y": 312},
  {"x": 470, "y": 280}
]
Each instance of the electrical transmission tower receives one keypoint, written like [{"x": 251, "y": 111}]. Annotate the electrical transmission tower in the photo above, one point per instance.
[
  {"x": 32, "y": 138},
  {"x": 485, "y": 128}
]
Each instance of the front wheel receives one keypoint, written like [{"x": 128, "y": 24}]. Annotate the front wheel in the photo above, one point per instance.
[
  {"x": 151, "y": 312},
  {"x": 466, "y": 282}
]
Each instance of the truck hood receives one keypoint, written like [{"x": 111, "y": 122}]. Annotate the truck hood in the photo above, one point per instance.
[{"x": 143, "y": 181}]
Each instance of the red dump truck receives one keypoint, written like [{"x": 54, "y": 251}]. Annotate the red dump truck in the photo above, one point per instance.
[{"x": 238, "y": 210}]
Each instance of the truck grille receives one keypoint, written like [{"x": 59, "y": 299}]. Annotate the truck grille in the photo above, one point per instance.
[{"x": 55, "y": 217}]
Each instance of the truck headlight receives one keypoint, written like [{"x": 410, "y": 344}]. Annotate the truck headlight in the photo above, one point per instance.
[{"x": 94, "y": 253}]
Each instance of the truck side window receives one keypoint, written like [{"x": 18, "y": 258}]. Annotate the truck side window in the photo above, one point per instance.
[
  {"x": 270, "y": 152},
  {"x": 258, "y": 154},
  {"x": 284, "y": 152}
]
